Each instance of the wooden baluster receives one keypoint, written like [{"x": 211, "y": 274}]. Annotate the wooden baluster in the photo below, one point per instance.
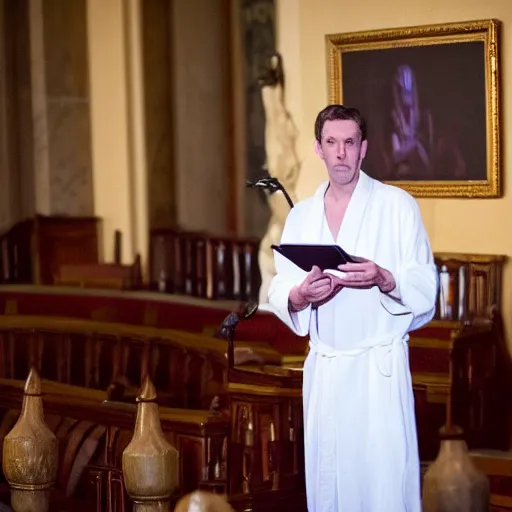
[
  {"x": 251, "y": 278},
  {"x": 217, "y": 254},
  {"x": 178, "y": 269},
  {"x": 293, "y": 422},
  {"x": 453, "y": 483},
  {"x": 30, "y": 456},
  {"x": 201, "y": 271},
  {"x": 248, "y": 455},
  {"x": 189, "y": 256},
  {"x": 150, "y": 463},
  {"x": 118, "y": 247},
  {"x": 273, "y": 462},
  {"x": 202, "y": 501},
  {"x": 238, "y": 270}
]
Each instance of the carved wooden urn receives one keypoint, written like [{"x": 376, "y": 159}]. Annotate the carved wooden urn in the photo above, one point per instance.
[
  {"x": 201, "y": 501},
  {"x": 30, "y": 456},
  {"x": 150, "y": 463},
  {"x": 453, "y": 483}
]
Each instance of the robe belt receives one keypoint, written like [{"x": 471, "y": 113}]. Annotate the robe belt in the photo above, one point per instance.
[{"x": 381, "y": 347}]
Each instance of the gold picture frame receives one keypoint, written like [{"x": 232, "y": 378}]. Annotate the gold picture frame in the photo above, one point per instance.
[{"x": 440, "y": 55}]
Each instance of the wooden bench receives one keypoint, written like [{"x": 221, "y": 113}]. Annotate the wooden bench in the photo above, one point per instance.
[{"x": 238, "y": 430}]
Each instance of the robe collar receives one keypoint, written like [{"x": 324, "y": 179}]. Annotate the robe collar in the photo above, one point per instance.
[{"x": 348, "y": 234}]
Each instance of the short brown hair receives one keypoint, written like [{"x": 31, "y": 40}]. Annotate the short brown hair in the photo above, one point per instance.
[{"x": 339, "y": 113}]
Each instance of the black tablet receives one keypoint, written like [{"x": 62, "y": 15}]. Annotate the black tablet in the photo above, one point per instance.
[{"x": 306, "y": 256}]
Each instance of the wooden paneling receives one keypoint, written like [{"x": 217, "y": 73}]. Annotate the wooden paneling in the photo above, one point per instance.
[{"x": 33, "y": 251}]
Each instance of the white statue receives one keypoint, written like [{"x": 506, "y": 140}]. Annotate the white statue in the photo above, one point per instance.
[{"x": 282, "y": 163}]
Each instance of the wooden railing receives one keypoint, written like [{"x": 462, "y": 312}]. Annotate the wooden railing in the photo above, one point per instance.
[
  {"x": 202, "y": 265},
  {"x": 64, "y": 251}
]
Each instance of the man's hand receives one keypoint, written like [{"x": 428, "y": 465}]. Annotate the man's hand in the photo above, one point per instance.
[
  {"x": 317, "y": 288},
  {"x": 366, "y": 274}
]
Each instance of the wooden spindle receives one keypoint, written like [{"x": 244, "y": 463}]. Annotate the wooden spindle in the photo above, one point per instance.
[
  {"x": 118, "y": 247},
  {"x": 30, "y": 456},
  {"x": 453, "y": 483},
  {"x": 150, "y": 463},
  {"x": 202, "y": 501}
]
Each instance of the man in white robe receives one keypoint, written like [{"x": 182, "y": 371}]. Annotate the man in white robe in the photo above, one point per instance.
[{"x": 359, "y": 421}]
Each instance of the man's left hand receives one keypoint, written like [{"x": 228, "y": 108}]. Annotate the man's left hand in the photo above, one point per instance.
[{"x": 365, "y": 274}]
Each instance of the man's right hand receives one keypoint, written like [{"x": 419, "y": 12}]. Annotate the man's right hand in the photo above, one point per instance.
[{"x": 317, "y": 288}]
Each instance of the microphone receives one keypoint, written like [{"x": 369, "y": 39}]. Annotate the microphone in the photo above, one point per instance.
[{"x": 272, "y": 185}]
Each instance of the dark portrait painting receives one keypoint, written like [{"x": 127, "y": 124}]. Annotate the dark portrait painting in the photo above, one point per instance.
[
  {"x": 431, "y": 108},
  {"x": 425, "y": 108}
]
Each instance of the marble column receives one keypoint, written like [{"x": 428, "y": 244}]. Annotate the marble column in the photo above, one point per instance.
[
  {"x": 20, "y": 130},
  {"x": 16, "y": 173},
  {"x": 45, "y": 153},
  {"x": 60, "y": 100},
  {"x": 6, "y": 189},
  {"x": 157, "y": 75},
  {"x": 201, "y": 114}
]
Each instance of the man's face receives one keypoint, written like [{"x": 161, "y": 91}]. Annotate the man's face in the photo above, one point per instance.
[{"x": 342, "y": 150}]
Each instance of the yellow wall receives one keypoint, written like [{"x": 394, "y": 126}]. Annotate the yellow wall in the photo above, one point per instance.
[
  {"x": 459, "y": 225},
  {"x": 117, "y": 124},
  {"x": 109, "y": 121},
  {"x": 121, "y": 163}
]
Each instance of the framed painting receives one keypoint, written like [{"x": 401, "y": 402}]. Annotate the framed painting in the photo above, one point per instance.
[{"x": 431, "y": 97}]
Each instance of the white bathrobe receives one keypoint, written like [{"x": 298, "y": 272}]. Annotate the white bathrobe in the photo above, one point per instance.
[{"x": 360, "y": 432}]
